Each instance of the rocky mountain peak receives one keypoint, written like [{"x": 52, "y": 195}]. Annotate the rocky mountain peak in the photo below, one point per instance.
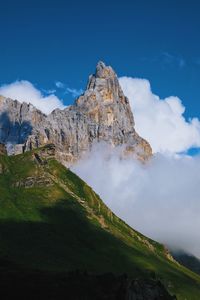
[
  {"x": 101, "y": 114},
  {"x": 104, "y": 101},
  {"x": 103, "y": 71},
  {"x": 105, "y": 79}
]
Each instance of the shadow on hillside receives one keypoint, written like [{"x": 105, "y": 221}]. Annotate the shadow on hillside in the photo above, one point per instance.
[
  {"x": 36, "y": 259},
  {"x": 13, "y": 132},
  {"x": 65, "y": 240},
  {"x": 76, "y": 285}
]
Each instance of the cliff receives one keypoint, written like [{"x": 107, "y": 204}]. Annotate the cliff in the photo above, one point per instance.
[{"x": 101, "y": 114}]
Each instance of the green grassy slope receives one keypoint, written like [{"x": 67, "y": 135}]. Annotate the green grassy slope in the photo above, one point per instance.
[
  {"x": 188, "y": 260},
  {"x": 51, "y": 220}
]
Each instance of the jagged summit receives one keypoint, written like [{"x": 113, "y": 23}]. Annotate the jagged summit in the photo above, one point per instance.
[
  {"x": 101, "y": 64},
  {"x": 102, "y": 113},
  {"x": 104, "y": 101},
  {"x": 103, "y": 71}
]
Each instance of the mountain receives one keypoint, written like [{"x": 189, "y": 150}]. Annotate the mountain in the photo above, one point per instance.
[
  {"x": 188, "y": 260},
  {"x": 102, "y": 113},
  {"x": 56, "y": 233}
]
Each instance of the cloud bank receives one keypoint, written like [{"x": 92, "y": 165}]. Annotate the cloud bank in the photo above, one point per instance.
[
  {"x": 160, "y": 199},
  {"x": 25, "y": 91},
  {"x": 160, "y": 121}
]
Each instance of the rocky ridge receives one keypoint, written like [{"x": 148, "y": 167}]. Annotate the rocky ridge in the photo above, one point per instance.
[{"x": 101, "y": 114}]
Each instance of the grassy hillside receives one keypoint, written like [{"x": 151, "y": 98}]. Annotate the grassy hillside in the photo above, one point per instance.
[
  {"x": 188, "y": 260},
  {"x": 53, "y": 221}
]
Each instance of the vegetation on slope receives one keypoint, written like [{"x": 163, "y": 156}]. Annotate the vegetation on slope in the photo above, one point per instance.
[
  {"x": 188, "y": 260},
  {"x": 51, "y": 220}
]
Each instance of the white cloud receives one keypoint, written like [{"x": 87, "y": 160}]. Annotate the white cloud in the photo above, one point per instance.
[
  {"x": 166, "y": 60},
  {"x": 48, "y": 92},
  {"x": 74, "y": 92},
  {"x": 25, "y": 91},
  {"x": 59, "y": 84},
  {"x": 160, "y": 199},
  {"x": 160, "y": 121},
  {"x": 171, "y": 59}
]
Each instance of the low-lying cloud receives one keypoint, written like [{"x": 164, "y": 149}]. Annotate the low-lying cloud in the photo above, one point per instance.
[
  {"x": 25, "y": 91},
  {"x": 160, "y": 121},
  {"x": 160, "y": 199}
]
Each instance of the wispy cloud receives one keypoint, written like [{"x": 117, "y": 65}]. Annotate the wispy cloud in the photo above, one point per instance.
[
  {"x": 67, "y": 90},
  {"x": 59, "y": 85},
  {"x": 172, "y": 59},
  {"x": 49, "y": 92},
  {"x": 74, "y": 92},
  {"x": 167, "y": 59}
]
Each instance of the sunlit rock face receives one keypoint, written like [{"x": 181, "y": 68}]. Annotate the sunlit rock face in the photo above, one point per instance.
[{"x": 102, "y": 113}]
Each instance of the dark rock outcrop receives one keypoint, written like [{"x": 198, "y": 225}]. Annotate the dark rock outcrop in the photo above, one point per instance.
[
  {"x": 146, "y": 290},
  {"x": 3, "y": 149}
]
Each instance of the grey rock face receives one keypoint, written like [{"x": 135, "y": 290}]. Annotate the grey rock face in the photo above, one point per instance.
[
  {"x": 37, "y": 181},
  {"x": 17, "y": 122},
  {"x": 102, "y": 113},
  {"x": 147, "y": 290}
]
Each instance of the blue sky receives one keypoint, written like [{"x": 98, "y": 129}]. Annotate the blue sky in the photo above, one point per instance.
[{"x": 48, "y": 41}]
